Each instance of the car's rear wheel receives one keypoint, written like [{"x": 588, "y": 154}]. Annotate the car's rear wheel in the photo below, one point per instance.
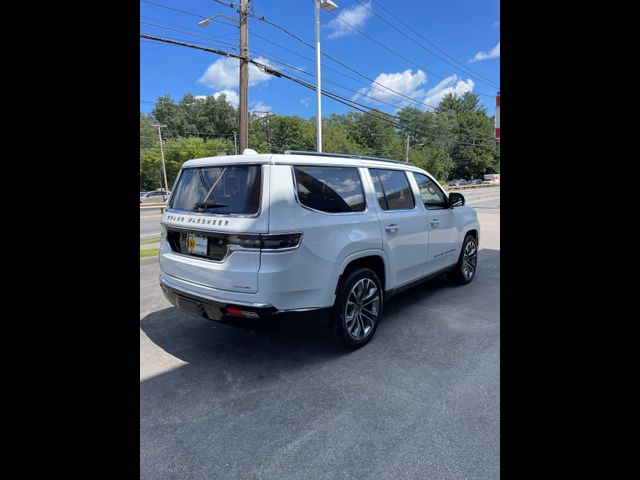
[
  {"x": 465, "y": 269},
  {"x": 358, "y": 308}
]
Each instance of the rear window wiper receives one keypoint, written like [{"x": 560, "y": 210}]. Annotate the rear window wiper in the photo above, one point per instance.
[{"x": 206, "y": 205}]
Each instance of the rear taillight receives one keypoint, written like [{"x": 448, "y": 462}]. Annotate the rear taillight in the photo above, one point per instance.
[
  {"x": 280, "y": 241},
  {"x": 220, "y": 245},
  {"x": 244, "y": 241}
]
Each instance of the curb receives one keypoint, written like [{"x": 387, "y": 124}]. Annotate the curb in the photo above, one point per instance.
[{"x": 149, "y": 260}]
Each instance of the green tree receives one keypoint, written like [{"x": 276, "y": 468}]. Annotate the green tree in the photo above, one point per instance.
[
  {"x": 292, "y": 133},
  {"x": 471, "y": 144}
]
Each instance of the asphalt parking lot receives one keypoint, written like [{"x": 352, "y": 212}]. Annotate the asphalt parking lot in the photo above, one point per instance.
[{"x": 421, "y": 401}]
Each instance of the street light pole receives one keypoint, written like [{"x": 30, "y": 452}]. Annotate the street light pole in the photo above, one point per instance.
[
  {"x": 164, "y": 168},
  {"x": 329, "y": 6},
  {"x": 318, "y": 90}
]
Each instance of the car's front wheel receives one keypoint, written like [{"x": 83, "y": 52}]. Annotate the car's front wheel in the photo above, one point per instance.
[
  {"x": 358, "y": 308},
  {"x": 465, "y": 269}
]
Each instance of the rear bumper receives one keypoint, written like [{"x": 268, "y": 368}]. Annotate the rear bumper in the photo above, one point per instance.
[{"x": 268, "y": 317}]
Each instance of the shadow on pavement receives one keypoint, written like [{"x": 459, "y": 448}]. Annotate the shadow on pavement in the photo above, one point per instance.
[{"x": 298, "y": 405}]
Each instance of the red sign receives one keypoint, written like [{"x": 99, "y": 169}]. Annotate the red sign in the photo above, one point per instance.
[{"x": 498, "y": 117}]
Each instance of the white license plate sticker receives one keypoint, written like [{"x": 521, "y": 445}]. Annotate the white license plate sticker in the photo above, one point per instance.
[{"x": 197, "y": 244}]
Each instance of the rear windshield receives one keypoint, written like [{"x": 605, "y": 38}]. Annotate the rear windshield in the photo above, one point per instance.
[{"x": 219, "y": 190}]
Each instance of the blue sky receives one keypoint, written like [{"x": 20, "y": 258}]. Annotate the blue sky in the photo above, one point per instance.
[{"x": 468, "y": 31}]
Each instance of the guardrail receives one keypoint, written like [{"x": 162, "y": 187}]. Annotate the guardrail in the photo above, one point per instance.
[{"x": 152, "y": 206}]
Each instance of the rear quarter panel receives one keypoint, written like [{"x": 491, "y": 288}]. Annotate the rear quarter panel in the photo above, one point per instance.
[{"x": 307, "y": 277}]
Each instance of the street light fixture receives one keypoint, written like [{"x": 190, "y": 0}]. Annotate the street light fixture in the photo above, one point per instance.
[
  {"x": 207, "y": 21},
  {"x": 328, "y": 6}
]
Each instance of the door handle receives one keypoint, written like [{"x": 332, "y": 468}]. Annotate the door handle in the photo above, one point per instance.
[
  {"x": 435, "y": 222},
  {"x": 392, "y": 228}
]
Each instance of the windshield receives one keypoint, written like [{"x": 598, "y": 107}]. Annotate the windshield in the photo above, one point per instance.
[{"x": 233, "y": 189}]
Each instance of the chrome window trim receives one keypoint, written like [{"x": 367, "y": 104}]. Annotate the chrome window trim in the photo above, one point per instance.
[{"x": 295, "y": 190}]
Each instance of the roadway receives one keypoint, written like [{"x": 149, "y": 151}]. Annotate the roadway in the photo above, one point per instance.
[{"x": 422, "y": 400}]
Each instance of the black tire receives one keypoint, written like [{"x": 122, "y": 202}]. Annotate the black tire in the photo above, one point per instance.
[
  {"x": 357, "y": 331},
  {"x": 467, "y": 262}
]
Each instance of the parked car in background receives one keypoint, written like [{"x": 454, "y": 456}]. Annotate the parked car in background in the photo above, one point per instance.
[
  {"x": 325, "y": 239},
  {"x": 156, "y": 196},
  {"x": 475, "y": 181},
  {"x": 458, "y": 182},
  {"x": 143, "y": 193}
]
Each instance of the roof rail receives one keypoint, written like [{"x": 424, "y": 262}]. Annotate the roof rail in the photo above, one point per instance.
[{"x": 343, "y": 155}]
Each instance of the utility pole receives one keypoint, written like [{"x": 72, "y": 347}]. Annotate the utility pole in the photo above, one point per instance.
[
  {"x": 164, "y": 168},
  {"x": 244, "y": 77},
  {"x": 406, "y": 156},
  {"x": 267, "y": 118},
  {"x": 235, "y": 141}
]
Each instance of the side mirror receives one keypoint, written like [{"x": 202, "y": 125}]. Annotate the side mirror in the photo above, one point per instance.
[{"x": 456, "y": 200}]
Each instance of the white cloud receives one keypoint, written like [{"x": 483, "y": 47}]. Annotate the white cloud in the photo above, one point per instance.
[
  {"x": 200, "y": 97},
  {"x": 356, "y": 16},
  {"x": 412, "y": 85},
  {"x": 260, "y": 106},
  {"x": 407, "y": 83},
  {"x": 451, "y": 84},
  {"x": 494, "y": 53},
  {"x": 231, "y": 95},
  {"x": 496, "y": 24},
  {"x": 224, "y": 72},
  {"x": 305, "y": 102}
]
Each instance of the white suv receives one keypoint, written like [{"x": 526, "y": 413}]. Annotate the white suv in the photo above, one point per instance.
[{"x": 302, "y": 238}]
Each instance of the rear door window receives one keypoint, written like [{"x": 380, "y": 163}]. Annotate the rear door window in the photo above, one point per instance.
[
  {"x": 232, "y": 189},
  {"x": 330, "y": 189},
  {"x": 392, "y": 189}
]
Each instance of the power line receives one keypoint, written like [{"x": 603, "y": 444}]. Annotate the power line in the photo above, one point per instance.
[
  {"x": 463, "y": 67},
  {"x": 394, "y": 52},
  {"x": 342, "y": 64},
  {"x": 267, "y": 69},
  {"x": 431, "y": 43},
  {"x": 352, "y": 90},
  {"x": 190, "y": 29},
  {"x": 188, "y": 33},
  {"x": 265, "y": 20}
]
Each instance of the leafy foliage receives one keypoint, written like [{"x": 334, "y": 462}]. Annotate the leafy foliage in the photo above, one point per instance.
[{"x": 454, "y": 141}]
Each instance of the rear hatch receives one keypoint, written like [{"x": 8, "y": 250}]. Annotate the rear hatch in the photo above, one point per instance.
[{"x": 214, "y": 223}]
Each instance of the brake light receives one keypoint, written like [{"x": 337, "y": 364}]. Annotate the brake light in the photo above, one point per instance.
[
  {"x": 244, "y": 241},
  {"x": 278, "y": 241},
  {"x": 266, "y": 241},
  {"x": 241, "y": 313}
]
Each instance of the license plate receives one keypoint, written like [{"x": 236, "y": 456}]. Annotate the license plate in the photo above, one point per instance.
[{"x": 197, "y": 244}]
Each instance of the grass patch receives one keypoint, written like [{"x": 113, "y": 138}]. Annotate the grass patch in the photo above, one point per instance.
[
  {"x": 144, "y": 241},
  {"x": 152, "y": 252}
]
